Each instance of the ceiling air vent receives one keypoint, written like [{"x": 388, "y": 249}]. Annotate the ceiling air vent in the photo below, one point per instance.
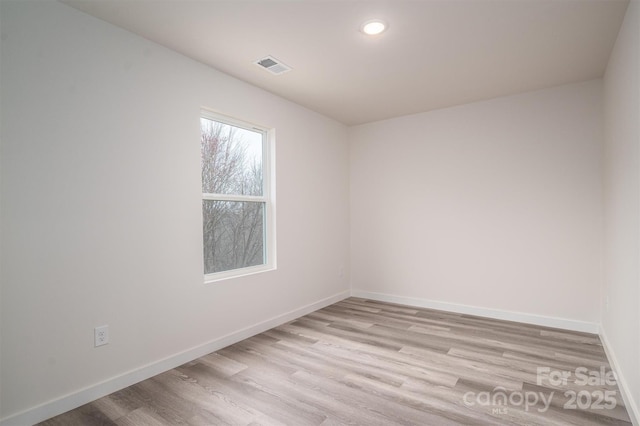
[{"x": 273, "y": 65}]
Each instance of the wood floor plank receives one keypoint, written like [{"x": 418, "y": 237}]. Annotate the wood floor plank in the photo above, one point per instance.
[
  {"x": 366, "y": 362},
  {"x": 281, "y": 410}
]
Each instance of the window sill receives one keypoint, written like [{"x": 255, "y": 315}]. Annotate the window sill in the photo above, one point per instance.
[{"x": 237, "y": 273}]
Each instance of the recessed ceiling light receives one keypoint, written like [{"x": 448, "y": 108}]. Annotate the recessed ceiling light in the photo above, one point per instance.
[{"x": 373, "y": 27}]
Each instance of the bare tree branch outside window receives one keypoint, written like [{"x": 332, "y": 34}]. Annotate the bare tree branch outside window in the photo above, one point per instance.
[{"x": 232, "y": 165}]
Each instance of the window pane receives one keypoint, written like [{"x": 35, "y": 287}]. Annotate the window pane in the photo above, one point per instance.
[
  {"x": 231, "y": 159},
  {"x": 233, "y": 235}
]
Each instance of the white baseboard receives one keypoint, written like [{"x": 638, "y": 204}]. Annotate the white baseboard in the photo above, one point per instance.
[
  {"x": 567, "y": 324},
  {"x": 91, "y": 393},
  {"x": 629, "y": 402}
]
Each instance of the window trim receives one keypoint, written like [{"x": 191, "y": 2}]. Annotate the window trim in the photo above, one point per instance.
[{"x": 268, "y": 198}]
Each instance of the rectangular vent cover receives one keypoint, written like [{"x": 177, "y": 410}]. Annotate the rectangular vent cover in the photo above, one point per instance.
[{"x": 273, "y": 65}]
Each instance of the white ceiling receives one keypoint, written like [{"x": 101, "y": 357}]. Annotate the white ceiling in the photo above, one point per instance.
[{"x": 435, "y": 54}]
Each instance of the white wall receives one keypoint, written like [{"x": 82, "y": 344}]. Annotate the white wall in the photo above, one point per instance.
[
  {"x": 101, "y": 208},
  {"x": 621, "y": 318},
  {"x": 494, "y": 204}
]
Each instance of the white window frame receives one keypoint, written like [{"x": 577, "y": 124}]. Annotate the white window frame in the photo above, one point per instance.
[{"x": 268, "y": 198}]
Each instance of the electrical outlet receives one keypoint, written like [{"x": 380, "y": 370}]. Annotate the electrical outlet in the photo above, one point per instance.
[{"x": 101, "y": 335}]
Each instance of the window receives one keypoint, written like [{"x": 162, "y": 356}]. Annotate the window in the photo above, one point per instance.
[{"x": 237, "y": 197}]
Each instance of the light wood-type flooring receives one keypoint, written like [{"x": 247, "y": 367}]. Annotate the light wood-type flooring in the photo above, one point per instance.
[{"x": 372, "y": 363}]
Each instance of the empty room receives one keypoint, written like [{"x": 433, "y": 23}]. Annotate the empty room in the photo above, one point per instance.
[{"x": 319, "y": 212}]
